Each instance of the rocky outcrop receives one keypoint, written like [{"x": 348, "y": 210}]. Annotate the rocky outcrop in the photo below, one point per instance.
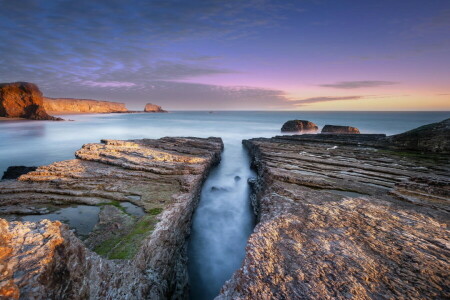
[
  {"x": 127, "y": 255},
  {"x": 15, "y": 172},
  {"x": 154, "y": 108},
  {"x": 433, "y": 137},
  {"x": 68, "y": 105},
  {"x": 345, "y": 220},
  {"x": 299, "y": 126},
  {"x": 22, "y": 100},
  {"x": 340, "y": 129}
]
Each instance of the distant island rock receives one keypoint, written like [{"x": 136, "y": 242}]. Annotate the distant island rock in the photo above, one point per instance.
[
  {"x": 299, "y": 126},
  {"x": 23, "y": 100},
  {"x": 340, "y": 129},
  {"x": 149, "y": 107},
  {"x": 70, "y": 105}
]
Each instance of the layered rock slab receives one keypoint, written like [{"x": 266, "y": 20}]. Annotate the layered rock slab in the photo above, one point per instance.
[
  {"x": 340, "y": 220},
  {"x": 141, "y": 257}
]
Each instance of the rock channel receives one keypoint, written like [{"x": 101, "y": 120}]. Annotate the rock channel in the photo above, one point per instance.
[
  {"x": 343, "y": 217},
  {"x": 126, "y": 255}
]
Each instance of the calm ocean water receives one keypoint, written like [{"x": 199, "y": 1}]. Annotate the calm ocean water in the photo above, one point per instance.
[{"x": 224, "y": 220}]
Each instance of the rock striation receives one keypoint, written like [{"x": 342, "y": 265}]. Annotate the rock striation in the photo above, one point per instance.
[
  {"x": 146, "y": 191},
  {"x": 433, "y": 137},
  {"x": 299, "y": 126},
  {"x": 340, "y": 129},
  {"x": 153, "y": 108},
  {"x": 22, "y": 100},
  {"x": 343, "y": 219},
  {"x": 69, "y": 105}
]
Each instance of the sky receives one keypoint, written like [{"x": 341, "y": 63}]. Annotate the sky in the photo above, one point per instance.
[{"x": 233, "y": 54}]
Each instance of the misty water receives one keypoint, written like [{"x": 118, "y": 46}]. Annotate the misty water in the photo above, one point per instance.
[{"x": 223, "y": 220}]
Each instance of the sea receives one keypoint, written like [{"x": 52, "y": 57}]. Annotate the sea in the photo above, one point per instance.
[{"x": 224, "y": 219}]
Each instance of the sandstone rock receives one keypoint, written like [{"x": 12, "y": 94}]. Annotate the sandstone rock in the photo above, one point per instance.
[
  {"x": 339, "y": 129},
  {"x": 345, "y": 220},
  {"x": 125, "y": 256},
  {"x": 433, "y": 137},
  {"x": 22, "y": 100},
  {"x": 15, "y": 172},
  {"x": 153, "y": 108},
  {"x": 299, "y": 126},
  {"x": 68, "y": 105}
]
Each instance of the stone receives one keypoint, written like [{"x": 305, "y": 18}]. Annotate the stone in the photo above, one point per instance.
[
  {"x": 154, "y": 108},
  {"x": 125, "y": 256},
  {"x": 69, "y": 105},
  {"x": 15, "y": 172},
  {"x": 343, "y": 217},
  {"x": 299, "y": 126},
  {"x": 340, "y": 129},
  {"x": 22, "y": 100},
  {"x": 433, "y": 137}
]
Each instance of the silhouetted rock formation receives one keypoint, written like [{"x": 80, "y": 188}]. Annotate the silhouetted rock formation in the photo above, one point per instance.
[
  {"x": 339, "y": 129},
  {"x": 299, "y": 126},
  {"x": 154, "y": 108},
  {"x": 345, "y": 220},
  {"x": 22, "y": 100},
  {"x": 433, "y": 137},
  {"x": 125, "y": 256},
  {"x": 69, "y": 105}
]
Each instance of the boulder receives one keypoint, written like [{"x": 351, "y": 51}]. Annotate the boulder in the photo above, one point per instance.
[
  {"x": 433, "y": 137},
  {"x": 22, "y": 100},
  {"x": 299, "y": 126},
  {"x": 149, "y": 107},
  {"x": 69, "y": 105},
  {"x": 339, "y": 129}
]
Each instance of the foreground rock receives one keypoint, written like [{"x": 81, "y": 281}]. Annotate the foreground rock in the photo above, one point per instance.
[
  {"x": 22, "y": 100},
  {"x": 146, "y": 191},
  {"x": 340, "y": 219},
  {"x": 340, "y": 129},
  {"x": 431, "y": 138},
  {"x": 68, "y": 105},
  {"x": 154, "y": 108},
  {"x": 15, "y": 172},
  {"x": 299, "y": 126}
]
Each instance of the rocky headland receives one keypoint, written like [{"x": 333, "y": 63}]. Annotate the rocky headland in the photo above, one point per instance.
[
  {"x": 153, "y": 108},
  {"x": 71, "y": 106},
  {"x": 344, "y": 216},
  {"x": 139, "y": 196},
  {"x": 23, "y": 100}
]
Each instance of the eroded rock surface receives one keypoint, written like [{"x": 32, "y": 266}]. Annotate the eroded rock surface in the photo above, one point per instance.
[
  {"x": 69, "y": 105},
  {"x": 153, "y": 108},
  {"x": 127, "y": 255},
  {"x": 299, "y": 126},
  {"x": 340, "y": 129},
  {"x": 345, "y": 220},
  {"x": 22, "y": 100}
]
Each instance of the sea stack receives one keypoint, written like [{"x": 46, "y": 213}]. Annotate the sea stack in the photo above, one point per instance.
[
  {"x": 299, "y": 126},
  {"x": 149, "y": 107},
  {"x": 340, "y": 129},
  {"x": 22, "y": 100}
]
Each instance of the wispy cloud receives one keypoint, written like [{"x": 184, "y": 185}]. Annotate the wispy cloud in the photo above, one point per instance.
[
  {"x": 115, "y": 84},
  {"x": 313, "y": 100},
  {"x": 358, "y": 84}
]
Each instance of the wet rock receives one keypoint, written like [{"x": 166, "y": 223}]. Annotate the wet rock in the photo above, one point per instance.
[
  {"x": 141, "y": 257},
  {"x": 340, "y": 129},
  {"x": 69, "y": 105},
  {"x": 388, "y": 238},
  {"x": 154, "y": 108},
  {"x": 237, "y": 178},
  {"x": 22, "y": 100},
  {"x": 433, "y": 137},
  {"x": 299, "y": 126},
  {"x": 15, "y": 172}
]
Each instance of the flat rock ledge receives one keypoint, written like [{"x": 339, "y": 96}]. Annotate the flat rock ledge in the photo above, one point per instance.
[
  {"x": 126, "y": 255},
  {"x": 339, "y": 218}
]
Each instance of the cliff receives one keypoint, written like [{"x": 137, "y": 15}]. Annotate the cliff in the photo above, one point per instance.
[
  {"x": 22, "y": 100},
  {"x": 341, "y": 219},
  {"x": 144, "y": 191},
  {"x": 68, "y": 105},
  {"x": 153, "y": 108}
]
